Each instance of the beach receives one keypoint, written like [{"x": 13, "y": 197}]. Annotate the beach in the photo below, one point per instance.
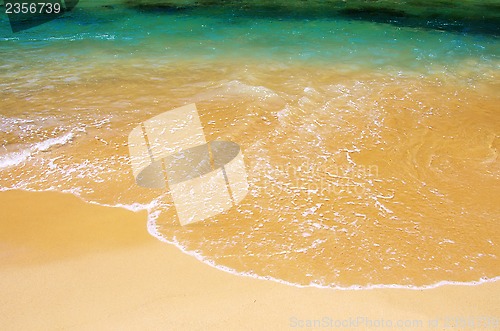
[
  {"x": 130, "y": 281},
  {"x": 363, "y": 138}
]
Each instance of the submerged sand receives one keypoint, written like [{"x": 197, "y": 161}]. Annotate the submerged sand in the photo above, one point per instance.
[
  {"x": 66, "y": 264},
  {"x": 356, "y": 178}
]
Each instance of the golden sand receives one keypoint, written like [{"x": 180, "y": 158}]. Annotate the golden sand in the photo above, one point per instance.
[{"x": 69, "y": 265}]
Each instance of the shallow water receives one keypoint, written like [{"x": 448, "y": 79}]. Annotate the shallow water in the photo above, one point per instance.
[{"x": 371, "y": 144}]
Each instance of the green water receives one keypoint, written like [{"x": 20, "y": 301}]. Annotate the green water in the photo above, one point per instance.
[{"x": 386, "y": 35}]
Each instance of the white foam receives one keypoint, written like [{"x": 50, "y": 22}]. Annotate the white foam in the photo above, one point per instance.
[
  {"x": 237, "y": 88},
  {"x": 46, "y": 144},
  {"x": 16, "y": 158},
  {"x": 152, "y": 227},
  {"x": 153, "y": 230}
]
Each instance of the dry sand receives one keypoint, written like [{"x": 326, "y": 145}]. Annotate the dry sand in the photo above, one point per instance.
[{"x": 66, "y": 264}]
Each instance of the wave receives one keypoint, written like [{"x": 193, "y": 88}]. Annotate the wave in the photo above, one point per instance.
[
  {"x": 236, "y": 88},
  {"x": 16, "y": 158},
  {"x": 153, "y": 230}
]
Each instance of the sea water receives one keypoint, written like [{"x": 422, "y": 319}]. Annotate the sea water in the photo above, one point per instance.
[{"x": 370, "y": 129}]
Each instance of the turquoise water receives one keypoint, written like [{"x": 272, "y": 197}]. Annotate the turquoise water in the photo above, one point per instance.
[{"x": 325, "y": 34}]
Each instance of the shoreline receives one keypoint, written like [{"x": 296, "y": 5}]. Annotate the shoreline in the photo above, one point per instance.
[
  {"x": 319, "y": 286},
  {"x": 72, "y": 265}
]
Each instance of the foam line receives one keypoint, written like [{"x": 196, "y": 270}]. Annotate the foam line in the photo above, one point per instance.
[
  {"x": 152, "y": 229},
  {"x": 16, "y": 158}
]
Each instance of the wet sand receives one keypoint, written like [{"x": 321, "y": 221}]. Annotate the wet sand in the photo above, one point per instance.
[{"x": 66, "y": 264}]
